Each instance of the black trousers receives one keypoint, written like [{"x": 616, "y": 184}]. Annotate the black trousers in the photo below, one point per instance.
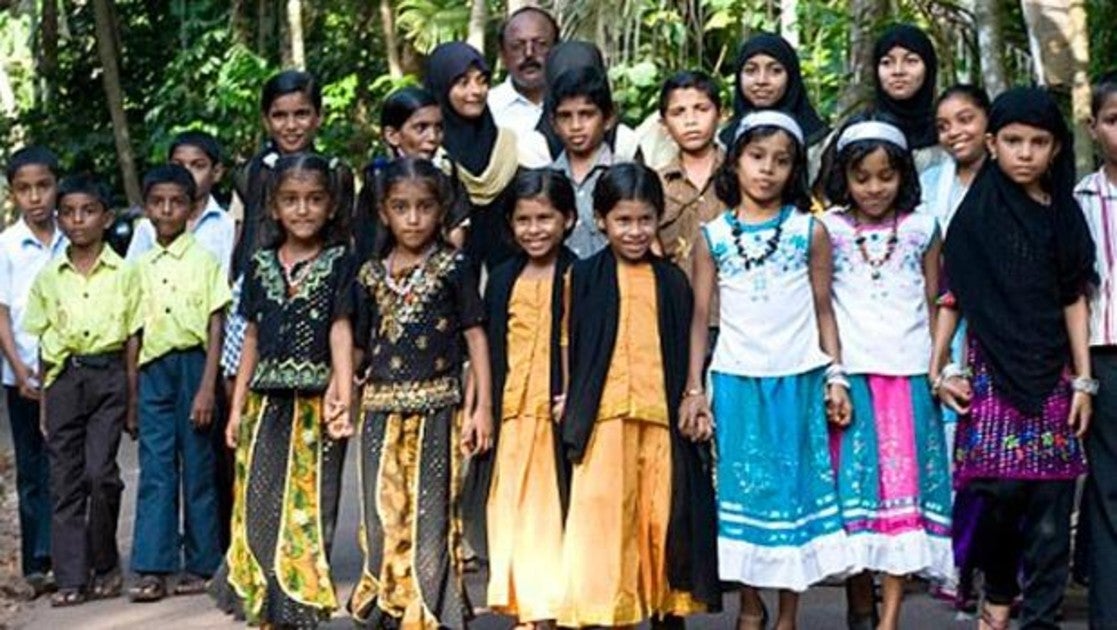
[
  {"x": 1100, "y": 496},
  {"x": 86, "y": 406},
  {"x": 1023, "y": 545}
]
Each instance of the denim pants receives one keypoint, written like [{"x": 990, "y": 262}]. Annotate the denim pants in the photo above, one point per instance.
[{"x": 32, "y": 482}]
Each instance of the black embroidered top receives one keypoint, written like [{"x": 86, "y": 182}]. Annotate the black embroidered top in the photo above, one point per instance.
[
  {"x": 410, "y": 329},
  {"x": 293, "y": 320}
]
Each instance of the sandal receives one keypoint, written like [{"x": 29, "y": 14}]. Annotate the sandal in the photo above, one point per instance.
[
  {"x": 150, "y": 588},
  {"x": 191, "y": 584},
  {"x": 65, "y": 597},
  {"x": 107, "y": 585}
]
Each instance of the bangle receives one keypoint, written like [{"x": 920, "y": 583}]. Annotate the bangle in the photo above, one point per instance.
[
  {"x": 692, "y": 392},
  {"x": 949, "y": 371},
  {"x": 838, "y": 379},
  {"x": 1085, "y": 384},
  {"x": 835, "y": 369}
]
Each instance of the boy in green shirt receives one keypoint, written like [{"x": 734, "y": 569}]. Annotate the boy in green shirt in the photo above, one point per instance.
[
  {"x": 184, "y": 293},
  {"x": 82, "y": 306}
]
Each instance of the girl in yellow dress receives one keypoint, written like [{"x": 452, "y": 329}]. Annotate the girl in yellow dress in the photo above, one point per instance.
[
  {"x": 520, "y": 487},
  {"x": 640, "y": 531}
]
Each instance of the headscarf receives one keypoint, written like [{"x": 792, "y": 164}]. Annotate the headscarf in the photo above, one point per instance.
[
  {"x": 469, "y": 142},
  {"x": 569, "y": 55},
  {"x": 1013, "y": 264},
  {"x": 794, "y": 101},
  {"x": 915, "y": 115}
]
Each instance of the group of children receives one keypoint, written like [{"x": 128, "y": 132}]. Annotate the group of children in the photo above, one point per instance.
[{"x": 672, "y": 381}]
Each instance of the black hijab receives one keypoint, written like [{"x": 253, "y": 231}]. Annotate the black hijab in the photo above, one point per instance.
[
  {"x": 1014, "y": 264},
  {"x": 469, "y": 142},
  {"x": 916, "y": 115},
  {"x": 569, "y": 55},
  {"x": 794, "y": 101}
]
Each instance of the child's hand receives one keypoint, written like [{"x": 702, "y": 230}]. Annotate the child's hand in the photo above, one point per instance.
[
  {"x": 477, "y": 432},
  {"x": 340, "y": 428},
  {"x": 27, "y": 381},
  {"x": 1081, "y": 410},
  {"x": 558, "y": 407},
  {"x": 956, "y": 393},
  {"x": 232, "y": 429},
  {"x": 703, "y": 425},
  {"x": 201, "y": 412},
  {"x": 131, "y": 421},
  {"x": 695, "y": 417},
  {"x": 839, "y": 410}
]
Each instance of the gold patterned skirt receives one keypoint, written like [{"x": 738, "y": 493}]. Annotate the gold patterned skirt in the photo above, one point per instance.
[
  {"x": 285, "y": 500},
  {"x": 410, "y": 476}
]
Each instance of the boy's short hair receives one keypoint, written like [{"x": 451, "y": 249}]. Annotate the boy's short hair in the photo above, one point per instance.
[
  {"x": 688, "y": 79},
  {"x": 33, "y": 155},
  {"x": 586, "y": 81},
  {"x": 170, "y": 174},
  {"x": 201, "y": 140},
  {"x": 1104, "y": 87},
  {"x": 85, "y": 184}
]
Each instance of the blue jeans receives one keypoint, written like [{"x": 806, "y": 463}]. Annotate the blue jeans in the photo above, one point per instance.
[
  {"x": 174, "y": 454},
  {"x": 32, "y": 482}
]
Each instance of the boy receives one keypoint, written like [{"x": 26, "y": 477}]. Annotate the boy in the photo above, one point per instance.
[
  {"x": 82, "y": 306},
  {"x": 25, "y": 248},
  {"x": 1097, "y": 194},
  {"x": 184, "y": 293},
  {"x": 582, "y": 113},
  {"x": 211, "y": 225}
]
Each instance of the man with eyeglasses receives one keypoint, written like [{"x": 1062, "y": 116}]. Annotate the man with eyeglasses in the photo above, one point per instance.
[{"x": 525, "y": 39}]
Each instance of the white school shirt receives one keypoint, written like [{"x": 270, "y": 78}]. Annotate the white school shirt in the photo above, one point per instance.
[
  {"x": 882, "y": 314},
  {"x": 22, "y": 257},
  {"x": 1098, "y": 198},
  {"x": 513, "y": 110},
  {"x": 215, "y": 231},
  {"x": 769, "y": 327}
]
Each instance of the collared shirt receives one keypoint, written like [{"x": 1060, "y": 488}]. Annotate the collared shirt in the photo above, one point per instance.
[
  {"x": 77, "y": 314},
  {"x": 585, "y": 239},
  {"x": 514, "y": 110},
  {"x": 686, "y": 207},
  {"x": 22, "y": 257},
  {"x": 215, "y": 230},
  {"x": 1098, "y": 198},
  {"x": 182, "y": 285}
]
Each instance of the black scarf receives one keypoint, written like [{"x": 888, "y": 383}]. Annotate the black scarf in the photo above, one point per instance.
[
  {"x": 498, "y": 293},
  {"x": 469, "y": 142},
  {"x": 1014, "y": 264},
  {"x": 594, "y": 310},
  {"x": 916, "y": 115},
  {"x": 569, "y": 55},
  {"x": 794, "y": 101}
]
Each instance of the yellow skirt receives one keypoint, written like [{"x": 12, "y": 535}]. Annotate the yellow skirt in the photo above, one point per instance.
[
  {"x": 525, "y": 522},
  {"x": 614, "y": 570}
]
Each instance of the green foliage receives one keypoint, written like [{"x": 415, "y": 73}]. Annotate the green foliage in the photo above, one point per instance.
[{"x": 428, "y": 23}]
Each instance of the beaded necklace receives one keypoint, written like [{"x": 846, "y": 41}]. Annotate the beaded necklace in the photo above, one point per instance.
[
  {"x": 404, "y": 286},
  {"x": 876, "y": 264},
  {"x": 771, "y": 244},
  {"x": 295, "y": 271}
]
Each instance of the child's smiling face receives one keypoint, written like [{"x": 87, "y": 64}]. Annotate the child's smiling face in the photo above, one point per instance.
[
  {"x": 630, "y": 227},
  {"x": 292, "y": 121},
  {"x": 539, "y": 227}
]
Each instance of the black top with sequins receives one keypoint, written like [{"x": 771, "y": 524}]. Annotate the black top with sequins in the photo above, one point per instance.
[
  {"x": 411, "y": 326},
  {"x": 293, "y": 312}
]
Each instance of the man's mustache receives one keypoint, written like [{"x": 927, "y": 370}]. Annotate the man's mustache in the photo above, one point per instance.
[{"x": 531, "y": 65}]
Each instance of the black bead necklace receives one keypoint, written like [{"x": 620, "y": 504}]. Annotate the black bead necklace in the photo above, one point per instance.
[
  {"x": 876, "y": 264},
  {"x": 770, "y": 246}
]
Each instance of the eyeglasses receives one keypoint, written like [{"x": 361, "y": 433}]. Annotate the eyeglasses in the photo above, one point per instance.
[{"x": 519, "y": 46}]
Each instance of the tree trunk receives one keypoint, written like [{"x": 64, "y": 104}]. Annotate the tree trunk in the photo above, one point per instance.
[
  {"x": 988, "y": 20},
  {"x": 265, "y": 28},
  {"x": 789, "y": 21},
  {"x": 864, "y": 14},
  {"x": 238, "y": 22},
  {"x": 48, "y": 50},
  {"x": 1080, "y": 86},
  {"x": 295, "y": 33},
  {"x": 478, "y": 16},
  {"x": 110, "y": 75},
  {"x": 516, "y": 5},
  {"x": 388, "y": 24}
]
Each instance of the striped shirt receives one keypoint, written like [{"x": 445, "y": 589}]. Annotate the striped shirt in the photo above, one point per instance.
[{"x": 1098, "y": 198}]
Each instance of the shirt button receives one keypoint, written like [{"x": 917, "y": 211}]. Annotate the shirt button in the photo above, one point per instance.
[
  {"x": 164, "y": 281},
  {"x": 85, "y": 295},
  {"x": 167, "y": 310},
  {"x": 86, "y": 333}
]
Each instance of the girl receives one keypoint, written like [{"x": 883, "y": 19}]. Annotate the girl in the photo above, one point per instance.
[
  {"x": 410, "y": 126},
  {"x": 768, "y": 77},
  {"x": 778, "y": 520},
  {"x": 906, "y": 67},
  {"x": 1019, "y": 259},
  {"x": 640, "y": 530},
  {"x": 415, "y": 307},
  {"x": 890, "y": 461},
  {"x": 523, "y": 485},
  {"x": 961, "y": 118},
  {"x": 483, "y": 155},
  {"x": 295, "y": 376}
]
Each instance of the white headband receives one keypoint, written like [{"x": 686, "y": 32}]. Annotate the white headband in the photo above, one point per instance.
[
  {"x": 872, "y": 130},
  {"x": 773, "y": 118}
]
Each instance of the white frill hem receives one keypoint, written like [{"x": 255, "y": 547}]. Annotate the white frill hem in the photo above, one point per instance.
[
  {"x": 791, "y": 568},
  {"x": 911, "y": 553}
]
